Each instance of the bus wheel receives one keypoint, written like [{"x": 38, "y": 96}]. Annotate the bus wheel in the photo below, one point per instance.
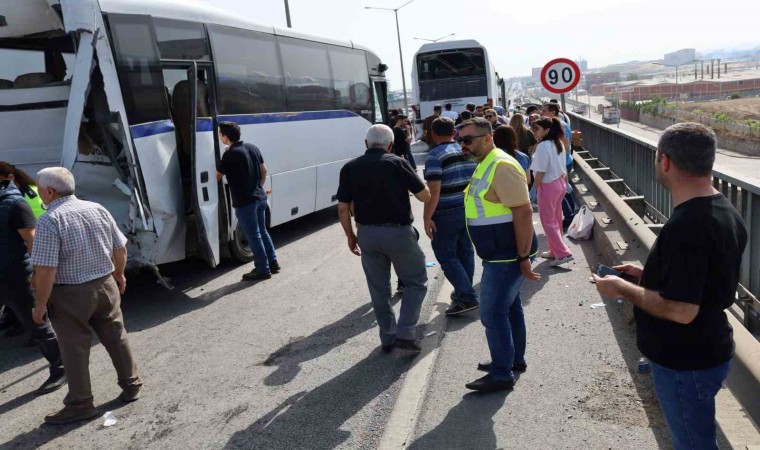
[{"x": 239, "y": 249}]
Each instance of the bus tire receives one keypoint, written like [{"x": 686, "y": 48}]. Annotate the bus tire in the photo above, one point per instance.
[{"x": 240, "y": 252}]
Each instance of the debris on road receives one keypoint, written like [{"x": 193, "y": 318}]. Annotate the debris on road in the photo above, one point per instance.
[
  {"x": 597, "y": 305},
  {"x": 109, "y": 419}
]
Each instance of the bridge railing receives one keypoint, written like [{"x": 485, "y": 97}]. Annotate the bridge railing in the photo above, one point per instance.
[{"x": 631, "y": 160}]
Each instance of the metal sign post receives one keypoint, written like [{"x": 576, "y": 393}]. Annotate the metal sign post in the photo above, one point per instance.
[{"x": 562, "y": 101}]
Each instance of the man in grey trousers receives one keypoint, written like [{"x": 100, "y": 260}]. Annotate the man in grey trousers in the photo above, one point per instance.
[{"x": 377, "y": 184}]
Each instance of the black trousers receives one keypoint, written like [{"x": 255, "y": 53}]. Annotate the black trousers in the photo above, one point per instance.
[{"x": 16, "y": 293}]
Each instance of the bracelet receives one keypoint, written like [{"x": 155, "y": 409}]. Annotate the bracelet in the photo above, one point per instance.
[{"x": 522, "y": 258}]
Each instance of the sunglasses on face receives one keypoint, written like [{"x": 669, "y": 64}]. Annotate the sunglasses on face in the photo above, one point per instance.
[
  {"x": 490, "y": 116},
  {"x": 467, "y": 140}
]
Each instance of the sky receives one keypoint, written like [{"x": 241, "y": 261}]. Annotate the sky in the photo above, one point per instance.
[{"x": 521, "y": 34}]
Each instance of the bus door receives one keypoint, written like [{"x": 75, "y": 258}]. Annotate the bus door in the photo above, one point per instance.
[
  {"x": 187, "y": 88},
  {"x": 380, "y": 100}
]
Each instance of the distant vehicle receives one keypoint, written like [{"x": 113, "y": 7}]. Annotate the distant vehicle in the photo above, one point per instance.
[
  {"x": 579, "y": 108},
  {"x": 456, "y": 72},
  {"x": 128, "y": 95},
  {"x": 610, "y": 115}
]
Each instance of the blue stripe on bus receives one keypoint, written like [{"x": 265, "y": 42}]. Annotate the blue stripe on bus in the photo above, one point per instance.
[
  {"x": 206, "y": 124},
  {"x": 151, "y": 129},
  {"x": 251, "y": 119}
]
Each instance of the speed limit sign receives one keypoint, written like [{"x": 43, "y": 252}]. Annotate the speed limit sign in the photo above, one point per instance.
[{"x": 560, "y": 75}]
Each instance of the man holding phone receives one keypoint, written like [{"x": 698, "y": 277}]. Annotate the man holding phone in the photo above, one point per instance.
[{"x": 689, "y": 278}]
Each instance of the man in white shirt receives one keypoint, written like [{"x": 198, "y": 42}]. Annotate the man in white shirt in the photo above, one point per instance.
[{"x": 453, "y": 115}]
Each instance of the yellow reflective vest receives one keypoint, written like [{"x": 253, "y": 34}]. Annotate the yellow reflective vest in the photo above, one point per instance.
[{"x": 490, "y": 224}]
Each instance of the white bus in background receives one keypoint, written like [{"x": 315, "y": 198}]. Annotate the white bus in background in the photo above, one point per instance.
[
  {"x": 456, "y": 72},
  {"x": 106, "y": 88}
]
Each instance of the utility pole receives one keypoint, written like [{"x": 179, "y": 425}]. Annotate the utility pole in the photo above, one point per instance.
[
  {"x": 400, "y": 55},
  {"x": 287, "y": 13}
]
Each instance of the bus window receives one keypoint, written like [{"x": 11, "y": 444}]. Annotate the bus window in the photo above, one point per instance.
[
  {"x": 248, "y": 65},
  {"x": 139, "y": 68},
  {"x": 181, "y": 40},
  {"x": 452, "y": 74},
  {"x": 307, "y": 75},
  {"x": 349, "y": 68}
]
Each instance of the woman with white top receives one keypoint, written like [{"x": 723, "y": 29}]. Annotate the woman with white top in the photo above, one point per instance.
[{"x": 550, "y": 180}]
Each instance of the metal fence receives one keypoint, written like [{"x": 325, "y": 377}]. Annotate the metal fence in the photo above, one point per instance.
[{"x": 632, "y": 159}]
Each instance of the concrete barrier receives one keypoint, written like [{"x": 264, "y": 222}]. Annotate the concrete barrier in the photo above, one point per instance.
[{"x": 744, "y": 379}]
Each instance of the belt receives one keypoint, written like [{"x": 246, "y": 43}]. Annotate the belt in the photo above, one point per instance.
[{"x": 384, "y": 225}]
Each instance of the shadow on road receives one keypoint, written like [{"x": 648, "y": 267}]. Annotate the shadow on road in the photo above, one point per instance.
[
  {"x": 288, "y": 358},
  {"x": 313, "y": 419},
  {"x": 467, "y": 425}
]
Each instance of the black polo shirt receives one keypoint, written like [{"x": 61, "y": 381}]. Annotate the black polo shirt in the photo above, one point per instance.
[
  {"x": 695, "y": 260},
  {"x": 241, "y": 163},
  {"x": 379, "y": 184},
  {"x": 400, "y": 146}
]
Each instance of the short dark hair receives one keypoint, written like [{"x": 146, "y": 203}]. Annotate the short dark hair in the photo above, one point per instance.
[
  {"x": 447, "y": 106},
  {"x": 530, "y": 110},
  {"x": 437, "y": 108},
  {"x": 691, "y": 147},
  {"x": 480, "y": 123},
  {"x": 231, "y": 130},
  {"x": 465, "y": 115},
  {"x": 554, "y": 100},
  {"x": 442, "y": 126},
  {"x": 553, "y": 107},
  {"x": 470, "y": 107},
  {"x": 394, "y": 112},
  {"x": 479, "y": 106}
]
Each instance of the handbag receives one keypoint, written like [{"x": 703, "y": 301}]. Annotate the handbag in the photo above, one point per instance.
[{"x": 582, "y": 226}]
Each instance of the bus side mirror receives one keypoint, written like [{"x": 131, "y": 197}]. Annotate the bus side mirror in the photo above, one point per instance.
[{"x": 382, "y": 67}]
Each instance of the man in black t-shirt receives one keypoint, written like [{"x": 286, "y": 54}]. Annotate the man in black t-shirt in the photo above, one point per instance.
[
  {"x": 689, "y": 278},
  {"x": 378, "y": 185},
  {"x": 17, "y": 225},
  {"x": 246, "y": 173},
  {"x": 402, "y": 139}
]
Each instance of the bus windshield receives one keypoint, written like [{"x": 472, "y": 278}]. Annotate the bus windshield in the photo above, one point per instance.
[
  {"x": 459, "y": 63},
  {"x": 452, "y": 73}
]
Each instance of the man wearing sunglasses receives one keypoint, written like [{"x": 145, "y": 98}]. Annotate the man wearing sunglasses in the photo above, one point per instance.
[{"x": 500, "y": 224}]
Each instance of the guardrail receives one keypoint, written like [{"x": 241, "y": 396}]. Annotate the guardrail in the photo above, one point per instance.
[{"x": 627, "y": 162}]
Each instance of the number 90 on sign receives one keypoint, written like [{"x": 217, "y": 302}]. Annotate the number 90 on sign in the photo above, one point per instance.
[{"x": 560, "y": 75}]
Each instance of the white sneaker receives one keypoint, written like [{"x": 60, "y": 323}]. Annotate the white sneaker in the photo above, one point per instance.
[
  {"x": 559, "y": 262},
  {"x": 546, "y": 255}
]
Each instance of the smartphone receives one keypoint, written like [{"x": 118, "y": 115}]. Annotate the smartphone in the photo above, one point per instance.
[{"x": 603, "y": 271}]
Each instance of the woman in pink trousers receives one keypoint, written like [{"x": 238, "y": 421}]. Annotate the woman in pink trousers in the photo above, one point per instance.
[{"x": 548, "y": 168}]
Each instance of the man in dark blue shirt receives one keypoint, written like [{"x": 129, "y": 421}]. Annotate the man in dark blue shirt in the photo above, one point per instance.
[
  {"x": 17, "y": 225},
  {"x": 246, "y": 173}
]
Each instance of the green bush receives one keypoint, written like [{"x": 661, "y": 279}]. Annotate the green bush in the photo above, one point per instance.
[
  {"x": 735, "y": 95},
  {"x": 721, "y": 117}
]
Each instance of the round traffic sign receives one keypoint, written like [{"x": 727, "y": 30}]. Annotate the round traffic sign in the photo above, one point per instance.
[{"x": 560, "y": 75}]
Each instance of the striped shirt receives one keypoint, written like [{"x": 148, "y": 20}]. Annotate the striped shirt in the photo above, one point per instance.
[
  {"x": 78, "y": 238},
  {"x": 447, "y": 164}
]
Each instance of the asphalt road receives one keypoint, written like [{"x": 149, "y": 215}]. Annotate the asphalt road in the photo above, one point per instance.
[{"x": 292, "y": 362}]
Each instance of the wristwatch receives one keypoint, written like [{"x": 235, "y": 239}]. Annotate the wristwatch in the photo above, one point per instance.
[{"x": 522, "y": 258}]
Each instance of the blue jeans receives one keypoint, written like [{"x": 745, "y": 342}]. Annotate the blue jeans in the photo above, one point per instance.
[
  {"x": 454, "y": 252},
  {"x": 687, "y": 400},
  {"x": 252, "y": 219},
  {"x": 501, "y": 313},
  {"x": 568, "y": 208}
]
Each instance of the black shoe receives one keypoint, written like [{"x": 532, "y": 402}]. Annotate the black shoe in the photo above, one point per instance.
[
  {"x": 517, "y": 367},
  {"x": 454, "y": 297},
  {"x": 408, "y": 344},
  {"x": 53, "y": 383},
  {"x": 274, "y": 267},
  {"x": 461, "y": 307},
  {"x": 400, "y": 288},
  {"x": 488, "y": 384},
  {"x": 254, "y": 275},
  {"x": 388, "y": 348}
]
